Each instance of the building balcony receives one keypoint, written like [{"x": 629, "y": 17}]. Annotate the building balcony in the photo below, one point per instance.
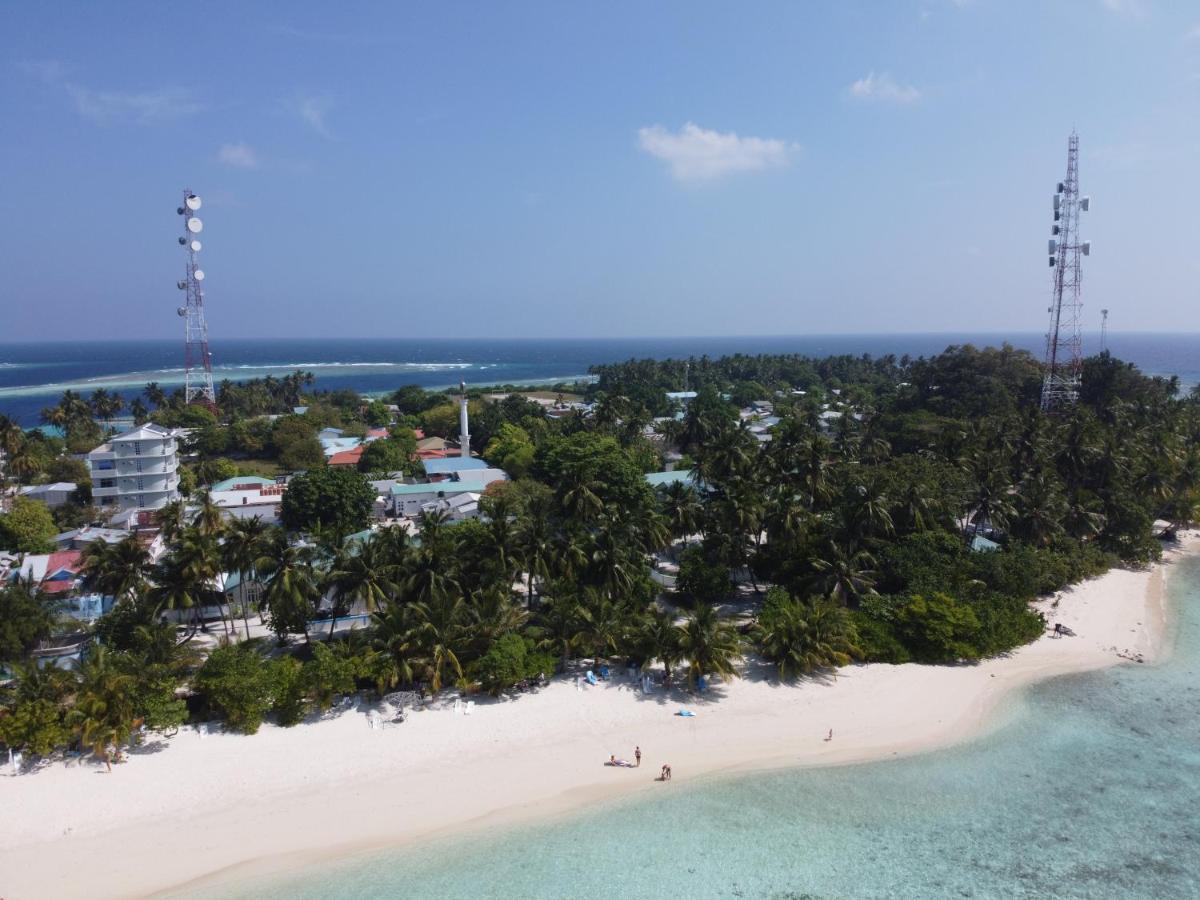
[
  {"x": 149, "y": 450},
  {"x": 149, "y": 466}
]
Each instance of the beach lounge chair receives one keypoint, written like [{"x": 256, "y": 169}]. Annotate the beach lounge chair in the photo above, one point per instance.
[
  {"x": 686, "y": 713},
  {"x": 470, "y": 707},
  {"x": 591, "y": 677}
]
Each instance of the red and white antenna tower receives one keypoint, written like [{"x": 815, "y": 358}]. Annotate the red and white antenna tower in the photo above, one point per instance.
[
  {"x": 1064, "y": 356},
  {"x": 197, "y": 360}
]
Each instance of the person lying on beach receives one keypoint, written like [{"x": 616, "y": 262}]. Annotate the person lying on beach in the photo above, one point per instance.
[{"x": 622, "y": 763}]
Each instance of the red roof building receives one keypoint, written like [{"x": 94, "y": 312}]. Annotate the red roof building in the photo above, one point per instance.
[{"x": 347, "y": 457}]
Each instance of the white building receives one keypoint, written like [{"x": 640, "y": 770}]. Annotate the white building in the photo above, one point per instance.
[
  {"x": 137, "y": 469},
  {"x": 251, "y": 501},
  {"x": 53, "y": 495}
]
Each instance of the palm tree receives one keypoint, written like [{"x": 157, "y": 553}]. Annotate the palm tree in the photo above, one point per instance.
[
  {"x": 292, "y": 588},
  {"x": 844, "y": 577},
  {"x": 209, "y": 519},
  {"x": 429, "y": 579},
  {"x": 118, "y": 570},
  {"x": 392, "y": 636},
  {"x": 813, "y": 471},
  {"x": 1039, "y": 509},
  {"x": 710, "y": 645},
  {"x": 246, "y": 542},
  {"x": 187, "y": 575},
  {"x": 681, "y": 504},
  {"x": 581, "y": 498},
  {"x": 104, "y": 714},
  {"x": 359, "y": 574},
  {"x": 23, "y": 462},
  {"x": 171, "y": 519},
  {"x": 439, "y": 635},
  {"x": 558, "y": 620},
  {"x": 603, "y": 623},
  {"x": 657, "y": 637},
  {"x": 139, "y": 411},
  {"x": 800, "y": 637},
  {"x": 491, "y": 614},
  {"x": 155, "y": 395},
  {"x": 535, "y": 542},
  {"x": 610, "y": 559}
]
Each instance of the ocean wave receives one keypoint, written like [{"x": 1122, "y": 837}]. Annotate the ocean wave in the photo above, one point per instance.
[
  {"x": 348, "y": 365},
  {"x": 173, "y": 376}
]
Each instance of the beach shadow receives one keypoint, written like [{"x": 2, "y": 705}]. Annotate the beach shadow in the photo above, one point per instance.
[{"x": 146, "y": 748}]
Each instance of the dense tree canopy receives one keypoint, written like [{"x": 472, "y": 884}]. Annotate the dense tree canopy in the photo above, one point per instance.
[{"x": 335, "y": 499}]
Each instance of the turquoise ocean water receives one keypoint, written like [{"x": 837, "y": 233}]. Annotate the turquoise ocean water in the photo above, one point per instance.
[{"x": 1090, "y": 788}]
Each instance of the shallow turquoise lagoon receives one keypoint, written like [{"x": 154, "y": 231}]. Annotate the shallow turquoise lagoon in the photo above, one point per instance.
[{"x": 1090, "y": 789}]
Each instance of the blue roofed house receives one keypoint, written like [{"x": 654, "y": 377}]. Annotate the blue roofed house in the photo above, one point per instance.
[
  {"x": 662, "y": 479},
  {"x": 452, "y": 464}
]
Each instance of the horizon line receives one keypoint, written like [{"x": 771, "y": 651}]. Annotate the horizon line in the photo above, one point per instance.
[{"x": 594, "y": 338}]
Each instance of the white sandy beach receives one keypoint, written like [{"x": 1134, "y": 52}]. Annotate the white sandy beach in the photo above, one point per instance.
[{"x": 194, "y": 806}]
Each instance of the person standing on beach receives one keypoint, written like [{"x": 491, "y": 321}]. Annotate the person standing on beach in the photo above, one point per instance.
[{"x": 637, "y": 755}]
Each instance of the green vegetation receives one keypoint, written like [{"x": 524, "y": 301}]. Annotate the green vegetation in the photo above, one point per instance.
[
  {"x": 336, "y": 500},
  {"x": 28, "y": 527},
  {"x": 901, "y": 510}
]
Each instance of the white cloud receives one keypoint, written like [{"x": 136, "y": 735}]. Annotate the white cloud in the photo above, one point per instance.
[
  {"x": 50, "y": 71},
  {"x": 696, "y": 154},
  {"x": 238, "y": 156},
  {"x": 882, "y": 87},
  {"x": 312, "y": 110},
  {"x": 1193, "y": 35},
  {"x": 137, "y": 106},
  {"x": 1135, "y": 8},
  {"x": 114, "y": 106}
]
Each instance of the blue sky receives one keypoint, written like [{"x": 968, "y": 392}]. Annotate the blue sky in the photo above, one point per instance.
[{"x": 609, "y": 169}]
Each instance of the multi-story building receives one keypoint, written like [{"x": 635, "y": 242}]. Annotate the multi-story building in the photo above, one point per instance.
[{"x": 137, "y": 469}]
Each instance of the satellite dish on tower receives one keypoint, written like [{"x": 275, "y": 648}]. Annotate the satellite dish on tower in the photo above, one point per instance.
[
  {"x": 194, "y": 225},
  {"x": 182, "y": 311},
  {"x": 198, "y": 274},
  {"x": 194, "y": 246},
  {"x": 192, "y": 202}
]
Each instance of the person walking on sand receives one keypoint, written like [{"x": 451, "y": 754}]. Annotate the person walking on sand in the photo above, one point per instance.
[
  {"x": 668, "y": 771},
  {"x": 637, "y": 755}
]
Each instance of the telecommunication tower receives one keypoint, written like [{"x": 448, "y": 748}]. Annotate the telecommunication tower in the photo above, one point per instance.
[
  {"x": 1103, "y": 330},
  {"x": 1064, "y": 356},
  {"x": 197, "y": 360}
]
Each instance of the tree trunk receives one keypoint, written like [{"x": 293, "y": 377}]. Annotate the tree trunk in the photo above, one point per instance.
[{"x": 245, "y": 615}]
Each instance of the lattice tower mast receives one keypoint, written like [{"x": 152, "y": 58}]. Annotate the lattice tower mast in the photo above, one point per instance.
[
  {"x": 1064, "y": 346},
  {"x": 197, "y": 360}
]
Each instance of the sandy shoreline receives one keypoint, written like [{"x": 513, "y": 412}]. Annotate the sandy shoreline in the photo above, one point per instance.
[{"x": 239, "y": 805}]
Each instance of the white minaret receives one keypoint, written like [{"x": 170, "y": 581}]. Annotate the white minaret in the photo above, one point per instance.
[{"x": 464, "y": 430}]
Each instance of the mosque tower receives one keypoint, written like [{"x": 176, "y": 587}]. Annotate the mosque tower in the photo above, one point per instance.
[{"x": 464, "y": 430}]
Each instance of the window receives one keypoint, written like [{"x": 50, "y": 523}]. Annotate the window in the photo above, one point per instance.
[
  {"x": 107, "y": 482},
  {"x": 140, "y": 486},
  {"x": 104, "y": 465},
  {"x": 137, "y": 448},
  {"x": 139, "y": 465}
]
